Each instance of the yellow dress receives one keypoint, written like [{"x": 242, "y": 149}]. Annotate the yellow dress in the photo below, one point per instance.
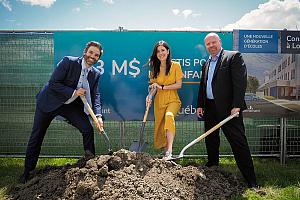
[{"x": 166, "y": 105}]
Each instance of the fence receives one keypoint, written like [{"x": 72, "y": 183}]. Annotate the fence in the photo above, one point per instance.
[{"x": 26, "y": 65}]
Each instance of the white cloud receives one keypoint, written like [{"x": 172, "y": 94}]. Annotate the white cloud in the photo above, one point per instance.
[
  {"x": 77, "y": 9},
  {"x": 274, "y": 14},
  {"x": 175, "y": 11},
  {"x": 108, "y": 2},
  {"x": 185, "y": 13},
  {"x": 6, "y": 4},
  {"x": 43, "y": 3}
]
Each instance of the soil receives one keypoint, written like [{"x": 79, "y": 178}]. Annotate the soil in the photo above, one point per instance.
[{"x": 128, "y": 175}]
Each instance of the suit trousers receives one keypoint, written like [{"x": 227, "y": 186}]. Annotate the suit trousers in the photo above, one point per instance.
[
  {"x": 75, "y": 115},
  {"x": 234, "y": 132}
]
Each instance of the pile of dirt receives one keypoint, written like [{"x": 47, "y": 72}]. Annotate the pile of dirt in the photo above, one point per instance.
[{"x": 129, "y": 175}]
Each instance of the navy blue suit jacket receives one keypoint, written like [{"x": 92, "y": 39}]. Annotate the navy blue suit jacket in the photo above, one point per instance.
[{"x": 64, "y": 81}]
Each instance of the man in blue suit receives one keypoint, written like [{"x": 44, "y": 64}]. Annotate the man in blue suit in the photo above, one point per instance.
[{"x": 72, "y": 78}]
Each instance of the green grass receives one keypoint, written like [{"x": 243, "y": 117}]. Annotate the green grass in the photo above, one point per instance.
[{"x": 277, "y": 181}]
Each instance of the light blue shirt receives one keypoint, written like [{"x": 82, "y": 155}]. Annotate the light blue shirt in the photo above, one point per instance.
[
  {"x": 82, "y": 77},
  {"x": 211, "y": 70}
]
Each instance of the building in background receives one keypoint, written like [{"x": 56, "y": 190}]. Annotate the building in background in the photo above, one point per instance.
[{"x": 283, "y": 79}]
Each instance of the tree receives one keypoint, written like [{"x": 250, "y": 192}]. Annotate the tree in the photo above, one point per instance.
[{"x": 252, "y": 84}]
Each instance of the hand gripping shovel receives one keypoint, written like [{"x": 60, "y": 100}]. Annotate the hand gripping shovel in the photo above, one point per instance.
[
  {"x": 204, "y": 135},
  {"x": 140, "y": 146},
  {"x": 102, "y": 132}
]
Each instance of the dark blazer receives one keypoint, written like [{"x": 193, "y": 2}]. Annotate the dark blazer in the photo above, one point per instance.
[
  {"x": 64, "y": 81},
  {"x": 228, "y": 84}
]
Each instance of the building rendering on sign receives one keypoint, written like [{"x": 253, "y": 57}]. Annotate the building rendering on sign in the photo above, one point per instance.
[{"x": 283, "y": 79}]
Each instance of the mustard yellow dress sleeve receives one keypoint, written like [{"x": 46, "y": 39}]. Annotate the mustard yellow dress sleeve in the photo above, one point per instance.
[{"x": 166, "y": 105}]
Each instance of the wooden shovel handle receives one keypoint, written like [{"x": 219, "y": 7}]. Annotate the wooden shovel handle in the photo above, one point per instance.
[
  {"x": 91, "y": 112},
  {"x": 150, "y": 95}
]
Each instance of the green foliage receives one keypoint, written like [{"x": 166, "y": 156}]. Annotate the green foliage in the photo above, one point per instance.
[
  {"x": 252, "y": 84},
  {"x": 269, "y": 97}
]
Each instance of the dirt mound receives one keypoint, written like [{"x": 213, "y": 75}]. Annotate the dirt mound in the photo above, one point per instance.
[{"x": 129, "y": 175}]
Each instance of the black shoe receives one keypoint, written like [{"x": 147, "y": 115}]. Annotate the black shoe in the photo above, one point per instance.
[
  {"x": 24, "y": 178},
  {"x": 210, "y": 164},
  {"x": 88, "y": 155},
  {"x": 253, "y": 185}
]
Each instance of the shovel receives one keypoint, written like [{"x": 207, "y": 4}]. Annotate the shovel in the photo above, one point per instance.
[
  {"x": 140, "y": 146},
  {"x": 204, "y": 135},
  {"x": 102, "y": 132}
]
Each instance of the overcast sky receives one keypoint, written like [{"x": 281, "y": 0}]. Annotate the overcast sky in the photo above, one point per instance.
[{"x": 199, "y": 15}]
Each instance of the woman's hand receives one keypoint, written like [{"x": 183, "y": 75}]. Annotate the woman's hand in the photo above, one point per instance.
[{"x": 155, "y": 85}]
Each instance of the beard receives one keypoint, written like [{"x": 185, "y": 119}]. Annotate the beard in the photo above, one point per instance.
[{"x": 90, "y": 61}]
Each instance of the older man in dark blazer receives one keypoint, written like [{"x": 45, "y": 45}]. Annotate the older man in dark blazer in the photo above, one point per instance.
[
  {"x": 221, "y": 93},
  {"x": 73, "y": 77}
]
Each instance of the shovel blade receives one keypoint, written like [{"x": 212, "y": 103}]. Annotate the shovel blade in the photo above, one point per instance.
[
  {"x": 107, "y": 141},
  {"x": 138, "y": 146},
  {"x": 175, "y": 158},
  {"x": 141, "y": 145}
]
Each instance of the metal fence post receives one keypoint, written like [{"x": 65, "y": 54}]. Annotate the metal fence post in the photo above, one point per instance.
[
  {"x": 282, "y": 140},
  {"x": 122, "y": 135}
]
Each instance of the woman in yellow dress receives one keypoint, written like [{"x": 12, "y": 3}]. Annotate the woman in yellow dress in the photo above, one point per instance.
[{"x": 166, "y": 76}]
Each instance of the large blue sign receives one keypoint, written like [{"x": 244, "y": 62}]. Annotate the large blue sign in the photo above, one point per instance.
[
  {"x": 258, "y": 41},
  {"x": 124, "y": 80},
  {"x": 290, "y": 42}
]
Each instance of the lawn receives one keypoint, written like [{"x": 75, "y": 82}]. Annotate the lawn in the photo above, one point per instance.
[{"x": 277, "y": 181}]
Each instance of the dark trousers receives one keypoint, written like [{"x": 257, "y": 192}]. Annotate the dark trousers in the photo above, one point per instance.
[
  {"x": 74, "y": 113},
  {"x": 234, "y": 132}
]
